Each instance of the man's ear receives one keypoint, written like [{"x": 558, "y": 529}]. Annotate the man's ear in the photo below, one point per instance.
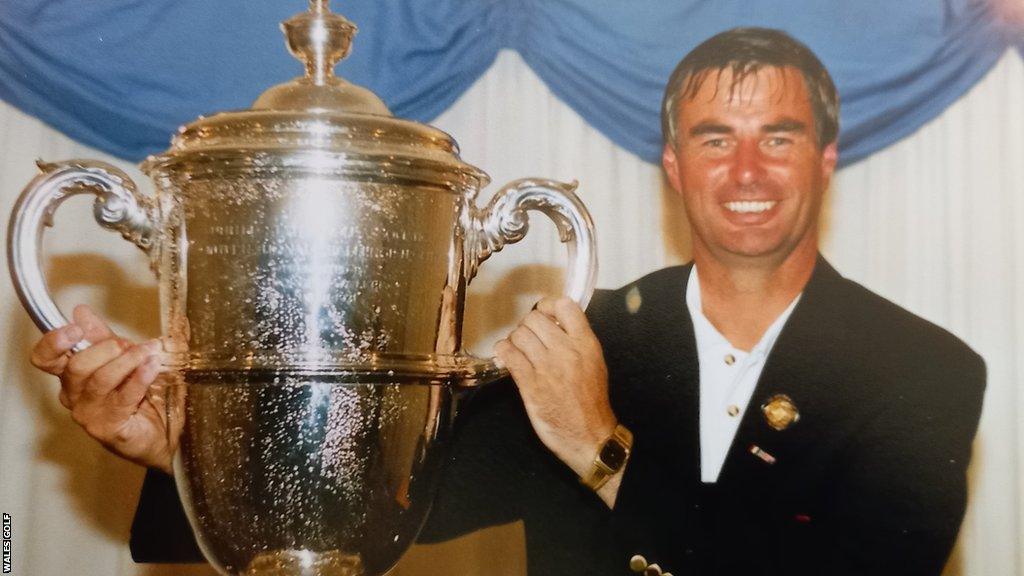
[
  {"x": 670, "y": 162},
  {"x": 829, "y": 158}
]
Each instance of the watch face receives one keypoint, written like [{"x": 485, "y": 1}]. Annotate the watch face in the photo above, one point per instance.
[{"x": 613, "y": 454}]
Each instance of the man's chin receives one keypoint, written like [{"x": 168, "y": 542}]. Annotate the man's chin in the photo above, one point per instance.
[
  {"x": 755, "y": 248},
  {"x": 754, "y": 254}
]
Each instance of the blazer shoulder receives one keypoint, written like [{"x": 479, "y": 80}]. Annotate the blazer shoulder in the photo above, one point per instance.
[{"x": 890, "y": 331}]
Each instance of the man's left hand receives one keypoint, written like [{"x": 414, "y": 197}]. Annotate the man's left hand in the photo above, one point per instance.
[{"x": 558, "y": 365}]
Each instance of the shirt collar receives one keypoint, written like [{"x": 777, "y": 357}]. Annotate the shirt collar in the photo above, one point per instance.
[{"x": 705, "y": 331}]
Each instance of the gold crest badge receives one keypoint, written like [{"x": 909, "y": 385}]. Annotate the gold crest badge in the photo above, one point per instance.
[{"x": 780, "y": 412}]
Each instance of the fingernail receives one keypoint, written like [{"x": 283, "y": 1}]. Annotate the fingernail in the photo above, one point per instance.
[
  {"x": 154, "y": 345},
  {"x": 499, "y": 363}
]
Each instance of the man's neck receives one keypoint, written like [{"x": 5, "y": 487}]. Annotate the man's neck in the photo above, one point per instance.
[{"x": 742, "y": 300}]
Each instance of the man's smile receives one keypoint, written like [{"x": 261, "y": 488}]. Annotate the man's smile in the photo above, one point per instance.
[{"x": 750, "y": 206}]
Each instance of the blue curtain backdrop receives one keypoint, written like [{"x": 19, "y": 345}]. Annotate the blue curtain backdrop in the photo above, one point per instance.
[{"x": 121, "y": 75}]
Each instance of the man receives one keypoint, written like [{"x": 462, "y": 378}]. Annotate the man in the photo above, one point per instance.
[{"x": 779, "y": 419}]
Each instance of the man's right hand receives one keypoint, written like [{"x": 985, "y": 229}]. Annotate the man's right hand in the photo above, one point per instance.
[{"x": 105, "y": 387}]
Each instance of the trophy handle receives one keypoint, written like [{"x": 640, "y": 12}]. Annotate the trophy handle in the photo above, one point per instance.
[
  {"x": 119, "y": 207},
  {"x": 505, "y": 221}
]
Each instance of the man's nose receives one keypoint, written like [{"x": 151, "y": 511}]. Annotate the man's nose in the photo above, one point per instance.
[{"x": 748, "y": 163}]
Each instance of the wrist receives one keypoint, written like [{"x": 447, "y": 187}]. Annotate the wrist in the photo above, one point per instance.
[
  {"x": 610, "y": 491},
  {"x": 580, "y": 455},
  {"x": 163, "y": 464},
  {"x": 158, "y": 467}
]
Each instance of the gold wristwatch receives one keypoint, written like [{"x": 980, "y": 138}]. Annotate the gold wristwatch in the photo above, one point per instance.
[{"x": 610, "y": 458}]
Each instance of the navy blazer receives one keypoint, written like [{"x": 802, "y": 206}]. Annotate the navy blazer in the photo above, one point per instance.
[{"x": 870, "y": 480}]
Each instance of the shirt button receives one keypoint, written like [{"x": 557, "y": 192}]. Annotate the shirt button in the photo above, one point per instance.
[
  {"x": 733, "y": 410},
  {"x": 730, "y": 359}
]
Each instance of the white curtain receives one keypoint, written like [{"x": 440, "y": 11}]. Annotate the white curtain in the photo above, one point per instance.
[{"x": 935, "y": 223}]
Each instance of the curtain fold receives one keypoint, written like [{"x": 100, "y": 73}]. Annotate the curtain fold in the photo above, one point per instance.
[{"x": 121, "y": 75}]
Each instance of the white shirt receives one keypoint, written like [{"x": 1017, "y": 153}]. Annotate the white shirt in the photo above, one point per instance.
[{"x": 728, "y": 376}]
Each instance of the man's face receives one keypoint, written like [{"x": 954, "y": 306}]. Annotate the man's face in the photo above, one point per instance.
[{"x": 748, "y": 166}]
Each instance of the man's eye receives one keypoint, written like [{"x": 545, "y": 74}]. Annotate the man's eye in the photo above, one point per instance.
[
  {"x": 776, "y": 141},
  {"x": 716, "y": 143}
]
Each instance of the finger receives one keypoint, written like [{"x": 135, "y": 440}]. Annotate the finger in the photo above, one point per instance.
[
  {"x": 547, "y": 300},
  {"x": 95, "y": 328},
  {"x": 134, "y": 390},
  {"x": 550, "y": 334},
  {"x": 518, "y": 364},
  {"x": 50, "y": 353},
  {"x": 568, "y": 314},
  {"x": 82, "y": 365},
  {"x": 114, "y": 373},
  {"x": 63, "y": 398},
  {"x": 528, "y": 343}
]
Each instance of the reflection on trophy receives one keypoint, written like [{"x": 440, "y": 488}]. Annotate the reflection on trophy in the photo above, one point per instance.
[{"x": 313, "y": 254}]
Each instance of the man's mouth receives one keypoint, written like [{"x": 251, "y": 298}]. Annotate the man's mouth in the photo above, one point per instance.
[{"x": 750, "y": 206}]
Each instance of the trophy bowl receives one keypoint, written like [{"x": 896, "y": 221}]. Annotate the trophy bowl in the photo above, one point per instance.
[
  {"x": 307, "y": 474},
  {"x": 313, "y": 254}
]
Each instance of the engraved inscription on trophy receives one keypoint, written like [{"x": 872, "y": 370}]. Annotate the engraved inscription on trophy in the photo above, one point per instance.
[
  {"x": 246, "y": 240},
  {"x": 302, "y": 281}
]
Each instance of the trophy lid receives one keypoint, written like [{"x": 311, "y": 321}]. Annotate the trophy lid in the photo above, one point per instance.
[{"x": 340, "y": 123}]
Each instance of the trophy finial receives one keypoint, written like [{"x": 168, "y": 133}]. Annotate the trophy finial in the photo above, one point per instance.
[{"x": 319, "y": 38}]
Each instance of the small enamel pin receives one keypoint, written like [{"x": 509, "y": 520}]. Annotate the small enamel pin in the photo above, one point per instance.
[
  {"x": 780, "y": 412},
  {"x": 760, "y": 453}
]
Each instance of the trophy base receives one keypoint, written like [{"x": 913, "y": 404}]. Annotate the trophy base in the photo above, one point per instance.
[{"x": 305, "y": 563}]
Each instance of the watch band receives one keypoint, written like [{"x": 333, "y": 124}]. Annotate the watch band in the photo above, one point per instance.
[{"x": 611, "y": 457}]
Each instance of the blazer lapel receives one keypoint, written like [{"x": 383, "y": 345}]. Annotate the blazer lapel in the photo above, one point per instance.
[{"x": 802, "y": 367}]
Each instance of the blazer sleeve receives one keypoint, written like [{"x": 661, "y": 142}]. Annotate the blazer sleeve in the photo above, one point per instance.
[
  {"x": 160, "y": 531},
  {"x": 488, "y": 459}
]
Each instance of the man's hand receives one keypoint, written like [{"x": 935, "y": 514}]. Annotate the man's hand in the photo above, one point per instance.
[
  {"x": 559, "y": 368},
  {"x": 105, "y": 387}
]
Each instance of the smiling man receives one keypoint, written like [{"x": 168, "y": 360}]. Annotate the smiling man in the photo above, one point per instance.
[
  {"x": 750, "y": 413},
  {"x": 780, "y": 418}
]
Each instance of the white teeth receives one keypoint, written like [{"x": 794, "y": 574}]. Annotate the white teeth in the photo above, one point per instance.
[{"x": 749, "y": 207}]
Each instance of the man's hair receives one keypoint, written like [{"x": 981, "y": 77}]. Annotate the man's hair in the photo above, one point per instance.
[{"x": 745, "y": 51}]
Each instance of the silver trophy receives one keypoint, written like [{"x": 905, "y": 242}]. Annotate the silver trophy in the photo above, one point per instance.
[{"x": 313, "y": 254}]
